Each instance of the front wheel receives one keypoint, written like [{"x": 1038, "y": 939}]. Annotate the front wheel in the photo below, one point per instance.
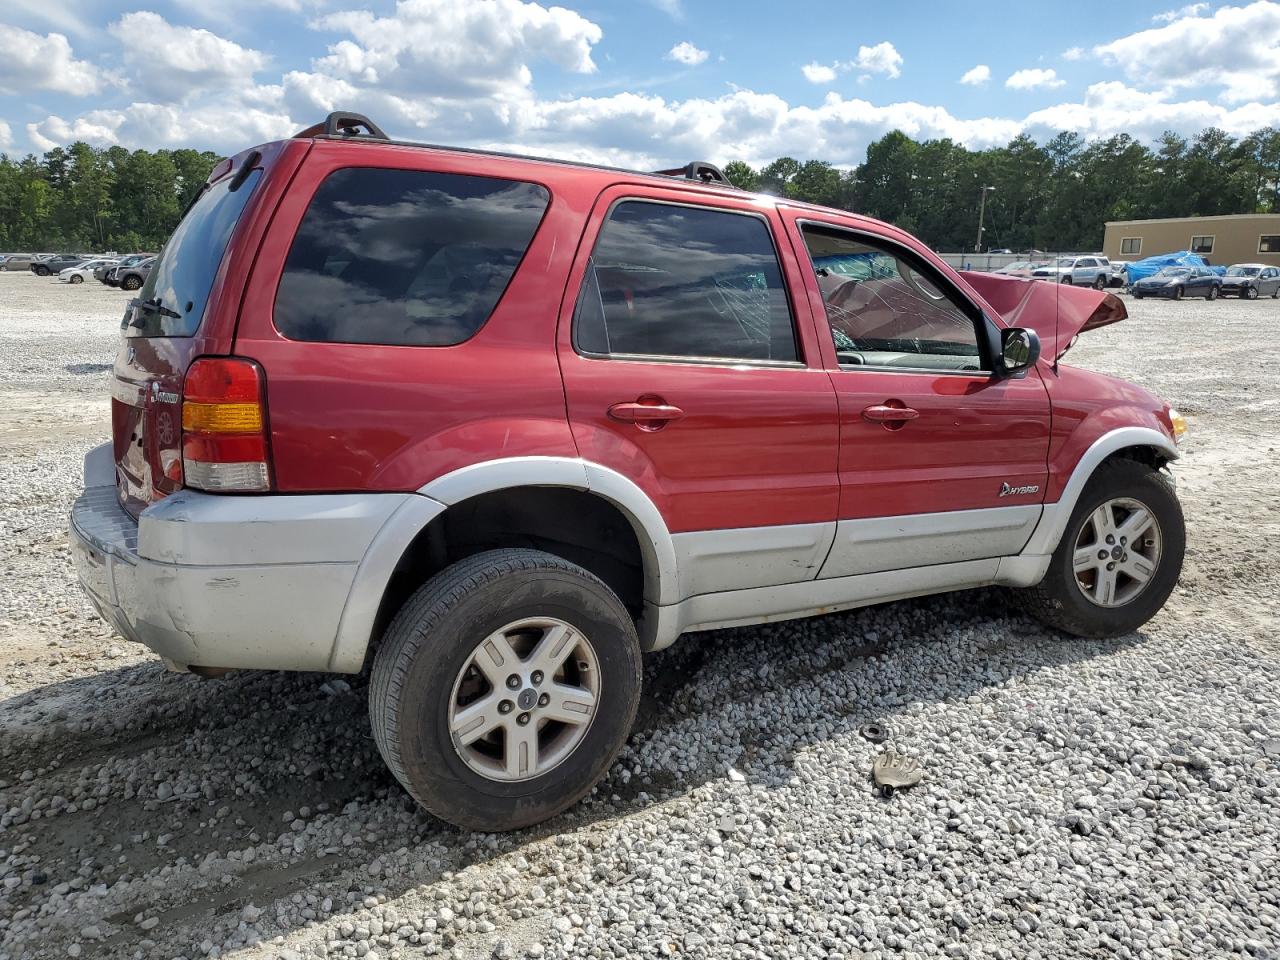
[
  {"x": 1138, "y": 296},
  {"x": 42, "y": 271},
  {"x": 131, "y": 283},
  {"x": 1212, "y": 294},
  {"x": 1177, "y": 293},
  {"x": 1249, "y": 293},
  {"x": 504, "y": 689},
  {"x": 74, "y": 278},
  {"x": 1119, "y": 558},
  {"x": 1067, "y": 280}
]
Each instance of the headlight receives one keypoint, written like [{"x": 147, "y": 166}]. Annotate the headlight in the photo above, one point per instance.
[{"x": 1179, "y": 424}]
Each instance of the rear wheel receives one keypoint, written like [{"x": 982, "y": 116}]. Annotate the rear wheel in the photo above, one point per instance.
[
  {"x": 131, "y": 282},
  {"x": 1067, "y": 280},
  {"x": 41, "y": 271},
  {"x": 504, "y": 689},
  {"x": 1212, "y": 294},
  {"x": 1138, "y": 296},
  {"x": 1119, "y": 558},
  {"x": 1100, "y": 282},
  {"x": 1177, "y": 293},
  {"x": 76, "y": 278}
]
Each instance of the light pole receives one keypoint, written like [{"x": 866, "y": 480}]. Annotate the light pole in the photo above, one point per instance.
[{"x": 982, "y": 215}]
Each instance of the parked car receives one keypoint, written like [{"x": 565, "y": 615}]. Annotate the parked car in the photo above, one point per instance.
[
  {"x": 130, "y": 277},
  {"x": 506, "y": 423},
  {"x": 1081, "y": 271},
  {"x": 56, "y": 263},
  {"x": 85, "y": 270},
  {"x": 1248, "y": 281},
  {"x": 133, "y": 259},
  {"x": 15, "y": 261},
  {"x": 1119, "y": 273},
  {"x": 1020, "y": 268},
  {"x": 1178, "y": 282}
]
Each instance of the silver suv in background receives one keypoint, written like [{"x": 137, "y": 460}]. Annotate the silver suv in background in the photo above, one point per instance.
[
  {"x": 15, "y": 261},
  {"x": 1089, "y": 271}
]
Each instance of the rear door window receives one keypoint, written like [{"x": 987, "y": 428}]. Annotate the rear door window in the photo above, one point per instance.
[
  {"x": 671, "y": 281},
  {"x": 404, "y": 257},
  {"x": 177, "y": 289}
]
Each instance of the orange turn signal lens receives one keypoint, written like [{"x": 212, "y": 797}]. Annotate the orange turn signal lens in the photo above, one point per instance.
[{"x": 221, "y": 417}]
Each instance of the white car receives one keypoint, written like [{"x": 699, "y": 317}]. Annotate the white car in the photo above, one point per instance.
[{"x": 85, "y": 270}]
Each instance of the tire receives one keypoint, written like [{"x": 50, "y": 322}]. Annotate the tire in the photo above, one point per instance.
[
  {"x": 430, "y": 652},
  {"x": 1100, "y": 282},
  {"x": 1068, "y": 281},
  {"x": 1138, "y": 296},
  {"x": 131, "y": 282},
  {"x": 1249, "y": 293},
  {"x": 41, "y": 271},
  {"x": 1177, "y": 293},
  {"x": 75, "y": 278},
  {"x": 1060, "y": 601},
  {"x": 1212, "y": 294}
]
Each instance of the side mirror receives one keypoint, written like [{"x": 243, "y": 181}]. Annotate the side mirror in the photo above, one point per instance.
[{"x": 1019, "y": 351}]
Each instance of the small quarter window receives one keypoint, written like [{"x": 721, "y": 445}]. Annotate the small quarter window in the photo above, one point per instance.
[
  {"x": 1269, "y": 244},
  {"x": 1202, "y": 244},
  {"x": 1130, "y": 246},
  {"x": 404, "y": 257},
  {"x": 884, "y": 310},
  {"x": 673, "y": 281}
]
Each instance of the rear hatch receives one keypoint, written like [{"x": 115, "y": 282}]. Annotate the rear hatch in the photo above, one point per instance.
[{"x": 185, "y": 309}]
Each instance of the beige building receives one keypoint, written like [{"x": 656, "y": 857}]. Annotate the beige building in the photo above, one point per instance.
[{"x": 1239, "y": 238}]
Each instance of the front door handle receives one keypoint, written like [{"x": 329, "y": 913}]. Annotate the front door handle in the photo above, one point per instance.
[
  {"x": 647, "y": 413},
  {"x": 891, "y": 413}
]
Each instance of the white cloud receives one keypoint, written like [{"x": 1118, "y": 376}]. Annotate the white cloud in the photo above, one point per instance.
[
  {"x": 818, "y": 73},
  {"x": 672, "y": 8},
  {"x": 1033, "y": 79},
  {"x": 882, "y": 58},
  {"x": 170, "y": 63},
  {"x": 6, "y": 136},
  {"x": 228, "y": 127},
  {"x": 66, "y": 16},
  {"x": 1190, "y": 10},
  {"x": 1073, "y": 53},
  {"x": 457, "y": 49},
  {"x": 686, "y": 53},
  {"x": 32, "y": 62},
  {"x": 977, "y": 76},
  {"x": 1237, "y": 49}
]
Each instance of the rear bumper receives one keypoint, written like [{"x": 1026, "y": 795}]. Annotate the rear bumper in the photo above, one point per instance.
[{"x": 225, "y": 581}]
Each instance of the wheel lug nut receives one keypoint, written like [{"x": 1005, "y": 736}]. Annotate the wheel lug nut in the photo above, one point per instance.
[
  {"x": 1123, "y": 541},
  {"x": 544, "y": 699},
  {"x": 523, "y": 719},
  {"x": 1102, "y": 554},
  {"x": 1111, "y": 566},
  {"x": 1110, "y": 538},
  {"x": 506, "y": 706},
  {"x": 513, "y": 681},
  {"x": 537, "y": 677}
]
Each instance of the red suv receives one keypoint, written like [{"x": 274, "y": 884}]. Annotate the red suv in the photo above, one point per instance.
[{"x": 504, "y": 424}]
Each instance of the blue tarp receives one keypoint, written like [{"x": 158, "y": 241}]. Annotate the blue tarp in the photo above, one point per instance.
[{"x": 1141, "y": 269}]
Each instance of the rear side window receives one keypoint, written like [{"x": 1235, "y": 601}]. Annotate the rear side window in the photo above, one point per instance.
[
  {"x": 669, "y": 281},
  {"x": 404, "y": 257},
  {"x": 178, "y": 287}
]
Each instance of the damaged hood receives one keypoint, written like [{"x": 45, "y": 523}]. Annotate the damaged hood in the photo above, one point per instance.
[{"x": 1055, "y": 311}]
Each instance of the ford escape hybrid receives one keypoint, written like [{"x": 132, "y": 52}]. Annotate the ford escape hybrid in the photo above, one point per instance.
[{"x": 502, "y": 424}]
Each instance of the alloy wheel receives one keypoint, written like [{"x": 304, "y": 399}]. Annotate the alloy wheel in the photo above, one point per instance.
[
  {"x": 1117, "y": 551},
  {"x": 524, "y": 699}
]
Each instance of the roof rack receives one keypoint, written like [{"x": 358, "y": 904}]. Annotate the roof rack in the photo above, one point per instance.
[
  {"x": 345, "y": 125},
  {"x": 698, "y": 170}
]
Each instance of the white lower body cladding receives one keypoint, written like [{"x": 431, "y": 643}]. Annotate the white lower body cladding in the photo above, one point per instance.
[{"x": 232, "y": 581}]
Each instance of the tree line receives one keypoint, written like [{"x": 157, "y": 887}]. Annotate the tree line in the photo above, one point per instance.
[
  {"x": 1054, "y": 196},
  {"x": 82, "y": 199}
]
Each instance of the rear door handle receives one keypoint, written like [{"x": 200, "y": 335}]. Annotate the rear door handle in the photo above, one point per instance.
[
  {"x": 645, "y": 413},
  {"x": 889, "y": 413}
]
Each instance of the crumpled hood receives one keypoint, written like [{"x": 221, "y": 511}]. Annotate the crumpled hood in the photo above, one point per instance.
[{"x": 1055, "y": 311}]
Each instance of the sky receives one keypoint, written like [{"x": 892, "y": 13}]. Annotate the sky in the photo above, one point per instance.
[{"x": 636, "y": 83}]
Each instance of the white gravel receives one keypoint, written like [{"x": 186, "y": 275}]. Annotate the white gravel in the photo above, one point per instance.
[{"x": 1080, "y": 799}]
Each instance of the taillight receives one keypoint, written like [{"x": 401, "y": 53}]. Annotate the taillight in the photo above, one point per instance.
[{"x": 224, "y": 427}]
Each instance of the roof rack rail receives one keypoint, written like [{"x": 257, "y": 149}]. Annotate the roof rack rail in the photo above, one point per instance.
[
  {"x": 344, "y": 124},
  {"x": 698, "y": 170}
]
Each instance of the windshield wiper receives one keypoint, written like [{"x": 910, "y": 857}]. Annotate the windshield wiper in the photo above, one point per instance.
[{"x": 153, "y": 306}]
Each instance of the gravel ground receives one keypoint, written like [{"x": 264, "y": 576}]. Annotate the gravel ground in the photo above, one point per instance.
[{"x": 1081, "y": 799}]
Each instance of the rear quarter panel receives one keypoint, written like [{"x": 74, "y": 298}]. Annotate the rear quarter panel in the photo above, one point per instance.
[{"x": 374, "y": 417}]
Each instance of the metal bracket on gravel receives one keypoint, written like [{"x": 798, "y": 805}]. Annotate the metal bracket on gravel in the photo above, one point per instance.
[{"x": 893, "y": 772}]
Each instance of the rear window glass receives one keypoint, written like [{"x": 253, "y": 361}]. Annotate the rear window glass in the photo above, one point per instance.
[
  {"x": 175, "y": 293},
  {"x": 404, "y": 257}
]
